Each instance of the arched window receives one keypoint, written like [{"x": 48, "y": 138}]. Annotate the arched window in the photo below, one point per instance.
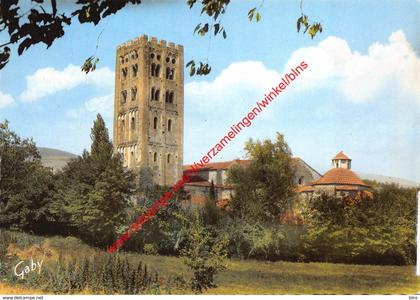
[
  {"x": 300, "y": 180},
  {"x": 166, "y": 96},
  {"x": 124, "y": 73},
  {"x": 152, "y": 94},
  {"x": 169, "y": 125},
  {"x": 122, "y": 129},
  {"x": 157, "y": 95},
  {"x": 171, "y": 97},
  {"x": 155, "y": 157},
  {"x": 152, "y": 69},
  {"x": 133, "y": 93},
  {"x": 157, "y": 70},
  {"x": 123, "y": 97},
  {"x": 155, "y": 121},
  {"x": 168, "y": 72},
  {"x": 134, "y": 70},
  {"x": 133, "y": 123},
  {"x": 171, "y": 74},
  {"x": 168, "y": 159}
]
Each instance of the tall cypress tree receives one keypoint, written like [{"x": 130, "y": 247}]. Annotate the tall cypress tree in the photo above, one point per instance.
[
  {"x": 94, "y": 191},
  {"x": 101, "y": 150}
]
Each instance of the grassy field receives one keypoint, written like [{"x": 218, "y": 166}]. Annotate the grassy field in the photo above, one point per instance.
[
  {"x": 251, "y": 277},
  {"x": 256, "y": 277}
]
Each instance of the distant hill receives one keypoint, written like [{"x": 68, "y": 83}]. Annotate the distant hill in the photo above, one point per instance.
[
  {"x": 54, "y": 158},
  {"x": 388, "y": 179}
]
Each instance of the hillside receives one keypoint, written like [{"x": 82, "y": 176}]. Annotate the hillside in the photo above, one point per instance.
[
  {"x": 54, "y": 158},
  {"x": 389, "y": 179}
]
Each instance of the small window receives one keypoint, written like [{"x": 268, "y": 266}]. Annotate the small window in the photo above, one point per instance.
[
  {"x": 169, "y": 125},
  {"x": 166, "y": 96},
  {"x": 124, "y": 73},
  {"x": 300, "y": 180},
  {"x": 171, "y": 74},
  {"x": 173, "y": 60},
  {"x": 167, "y": 59},
  {"x": 134, "y": 70},
  {"x": 168, "y": 159},
  {"x": 158, "y": 57},
  {"x": 157, "y": 95},
  {"x": 171, "y": 97},
  {"x": 133, "y": 93},
  {"x": 155, "y": 122},
  {"x": 152, "y": 94},
  {"x": 152, "y": 69},
  {"x": 155, "y": 157},
  {"x": 152, "y": 55},
  {"x": 157, "y": 71},
  {"x": 122, "y": 128},
  {"x": 123, "y": 97},
  {"x": 133, "y": 123},
  {"x": 168, "y": 72}
]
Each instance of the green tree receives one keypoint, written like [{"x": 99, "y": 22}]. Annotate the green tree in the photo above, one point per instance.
[
  {"x": 375, "y": 230},
  {"x": 94, "y": 191},
  {"x": 204, "y": 253},
  {"x": 264, "y": 189},
  {"x": 25, "y": 185}
]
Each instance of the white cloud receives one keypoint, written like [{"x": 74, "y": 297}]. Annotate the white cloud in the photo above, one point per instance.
[
  {"x": 5, "y": 100},
  {"x": 361, "y": 77},
  {"x": 48, "y": 81},
  {"x": 103, "y": 105},
  {"x": 240, "y": 83}
]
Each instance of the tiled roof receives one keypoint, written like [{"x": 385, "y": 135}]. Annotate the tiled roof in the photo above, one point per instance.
[
  {"x": 340, "y": 176},
  {"x": 341, "y": 155},
  {"x": 223, "y": 165}
]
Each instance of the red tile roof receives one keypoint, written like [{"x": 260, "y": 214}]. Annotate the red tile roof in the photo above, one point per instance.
[
  {"x": 341, "y": 155},
  {"x": 222, "y": 165},
  {"x": 340, "y": 176}
]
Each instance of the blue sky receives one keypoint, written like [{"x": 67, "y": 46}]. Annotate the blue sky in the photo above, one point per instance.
[{"x": 361, "y": 93}]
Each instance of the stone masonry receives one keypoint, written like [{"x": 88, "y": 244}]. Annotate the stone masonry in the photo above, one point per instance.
[{"x": 149, "y": 106}]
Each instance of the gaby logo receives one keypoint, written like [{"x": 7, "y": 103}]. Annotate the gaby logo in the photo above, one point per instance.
[{"x": 21, "y": 270}]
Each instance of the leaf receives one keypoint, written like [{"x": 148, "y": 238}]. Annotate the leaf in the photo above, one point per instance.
[
  {"x": 224, "y": 34},
  {"x": 191, "y": 62},
  {"x": 24, "y": 45},
  {"x": 257, "y": 17},
  {"x": 299, "y": 21},
  {"x": 197, "y": 28},
  {"x": 216, "y": 28},
  {"x": 251, "y": 13},
  {"x": 192, "y": 71}
]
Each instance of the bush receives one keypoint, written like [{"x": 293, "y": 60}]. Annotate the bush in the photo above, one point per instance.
[{"x": 150, "y": 249}]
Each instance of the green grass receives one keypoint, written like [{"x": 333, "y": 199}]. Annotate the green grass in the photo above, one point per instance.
[
  {"x": 254, "y": 277},
  {"x": 257, "y": 277}
]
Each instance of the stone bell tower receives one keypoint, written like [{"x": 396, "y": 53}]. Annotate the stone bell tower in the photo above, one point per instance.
[{"x": 149, "y": 107}]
